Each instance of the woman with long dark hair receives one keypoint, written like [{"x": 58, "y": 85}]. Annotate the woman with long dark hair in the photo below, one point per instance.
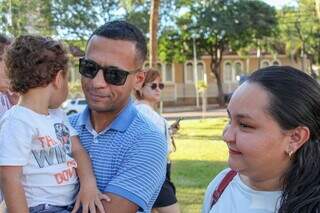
[{"x": 273, "y": 137}]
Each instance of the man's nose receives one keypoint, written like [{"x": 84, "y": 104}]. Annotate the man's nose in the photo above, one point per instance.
[{"x": 98, "y": 80}]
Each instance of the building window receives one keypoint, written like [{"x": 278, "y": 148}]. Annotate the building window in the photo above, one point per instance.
[
  {"x": 189, "y": 73},
  {"x": 146, "y": 65},
  {"x": 227, "y": 72},
  {"x": 238, "y": 67},
  {"x": 265, "y": 63},
  {"x": 276, "y": 63},
  {"x": 200, "y": 69},
  {"x": 168, "y": 74},
  {"x": 159, "y": 67}
]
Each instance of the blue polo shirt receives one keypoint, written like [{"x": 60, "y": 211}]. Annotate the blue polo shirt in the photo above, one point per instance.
[{"x": 128, "y": 157}]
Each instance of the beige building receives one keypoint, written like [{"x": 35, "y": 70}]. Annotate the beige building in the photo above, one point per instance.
[{"x": 180, "y": 83}]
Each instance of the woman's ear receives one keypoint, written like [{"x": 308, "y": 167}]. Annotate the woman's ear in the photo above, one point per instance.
[
  {"x": 58, "y": 80},
  {"x": 298, "y": 137}
]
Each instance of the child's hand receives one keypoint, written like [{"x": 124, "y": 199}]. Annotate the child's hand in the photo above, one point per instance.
[{"x": 90, "y": 200}]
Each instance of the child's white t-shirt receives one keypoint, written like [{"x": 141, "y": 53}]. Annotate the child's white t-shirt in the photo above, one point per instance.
[
  {"x": 41, "y": 145},
  {"x": 240, "y": 198}
]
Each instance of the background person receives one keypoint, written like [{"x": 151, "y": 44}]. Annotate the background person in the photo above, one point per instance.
[
  {"x": 147, "y": 99},
  {"x": 128, "y": 152},
  {"x": 39, "y": 150},
  {"x": 274, "y": 146},
  {"x": 7, "y": 98}
]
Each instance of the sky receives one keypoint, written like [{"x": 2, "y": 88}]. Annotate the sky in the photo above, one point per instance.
[{"x": 280, "y": 3}]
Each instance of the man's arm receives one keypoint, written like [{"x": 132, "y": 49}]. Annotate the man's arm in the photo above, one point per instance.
[
  {"x": 89, "y": 193},
  {"x": 140, "y": 176},
  {"x": 14, "y": 195}
]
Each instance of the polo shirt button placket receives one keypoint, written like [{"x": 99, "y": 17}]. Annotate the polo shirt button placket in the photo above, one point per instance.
[{"x": 95, "y": 139}]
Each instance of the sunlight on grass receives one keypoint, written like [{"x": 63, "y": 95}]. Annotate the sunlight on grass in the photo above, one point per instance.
[{"x": 200, "y": 155}]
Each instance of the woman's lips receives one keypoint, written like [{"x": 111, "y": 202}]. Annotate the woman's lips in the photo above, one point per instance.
[{"x": 234, "y": 152}]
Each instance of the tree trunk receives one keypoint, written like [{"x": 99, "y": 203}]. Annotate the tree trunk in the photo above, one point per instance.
[
  {"x": 216, "y": 59},
  {"x": 153, "y": 28},
  {"x": 220, "y": 91},
  {"x": 318, "y": 8}
]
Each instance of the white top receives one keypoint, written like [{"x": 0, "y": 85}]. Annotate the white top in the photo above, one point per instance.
[
  {"x": 240, "y": 198},
  {"x": 4, "y": 103},
  {"x": 41, "y": 145},
  {"x": 157, "y": 119}
]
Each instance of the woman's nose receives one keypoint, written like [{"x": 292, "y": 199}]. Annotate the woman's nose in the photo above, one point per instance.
[{"x": 228, "y": 134}]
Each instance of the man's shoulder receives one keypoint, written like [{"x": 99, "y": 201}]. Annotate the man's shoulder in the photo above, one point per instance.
[
  {"x": 144, "y": 124},
  {"x": 143, "y": 130}
]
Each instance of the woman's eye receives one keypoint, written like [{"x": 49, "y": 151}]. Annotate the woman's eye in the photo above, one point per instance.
[{"x": 243, "y": 125}]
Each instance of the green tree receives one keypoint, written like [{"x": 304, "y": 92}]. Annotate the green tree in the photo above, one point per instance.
[
  {"x": 64, "y": 18},
  {"x": 29, "y": 16},
  {"x": 300, "y": 31},
  {"x": 216, "y": 26}
]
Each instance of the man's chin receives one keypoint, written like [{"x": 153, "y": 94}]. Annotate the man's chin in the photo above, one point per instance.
[{"x": 104, "y": 108}]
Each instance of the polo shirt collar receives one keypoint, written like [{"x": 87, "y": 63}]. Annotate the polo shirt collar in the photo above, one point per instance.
[{"x": 120, "y": 123}]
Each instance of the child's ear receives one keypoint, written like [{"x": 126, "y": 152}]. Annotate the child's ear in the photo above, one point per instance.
[{"x": 58, "y": 80}]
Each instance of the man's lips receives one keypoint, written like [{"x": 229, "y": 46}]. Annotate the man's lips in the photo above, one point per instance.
[
  {"x": 232, "y": 151},
  {"x": 98, "y": 96}
]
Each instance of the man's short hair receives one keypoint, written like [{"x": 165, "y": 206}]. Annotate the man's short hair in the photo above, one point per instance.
[
  {"x": 122, "y": 30},
  {"x": 34, "y": 61}
]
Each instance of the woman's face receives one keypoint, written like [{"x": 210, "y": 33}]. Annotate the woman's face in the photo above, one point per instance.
[
  {"x": 151, "y": 91},
  {"x": 257, "y": 145}
]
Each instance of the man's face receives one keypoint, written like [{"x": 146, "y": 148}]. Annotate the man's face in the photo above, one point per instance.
[{"x": 102, "y": 96}]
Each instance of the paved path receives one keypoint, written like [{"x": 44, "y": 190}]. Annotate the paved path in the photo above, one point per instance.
[{"x": 195, "y": 114}]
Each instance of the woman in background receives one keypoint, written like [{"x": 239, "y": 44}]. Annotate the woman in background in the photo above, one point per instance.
[
  {"x": 7, "y": 98},
  {"x": 148, "y": 98}
]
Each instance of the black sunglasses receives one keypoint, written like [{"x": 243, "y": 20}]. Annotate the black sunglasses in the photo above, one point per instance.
[
  {"x": 154, "y": 86},
  {"x": 112, "y": 75}
]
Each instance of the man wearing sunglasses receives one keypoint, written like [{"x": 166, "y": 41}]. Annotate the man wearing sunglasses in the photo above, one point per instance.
[{"x": 127, "y": 151}]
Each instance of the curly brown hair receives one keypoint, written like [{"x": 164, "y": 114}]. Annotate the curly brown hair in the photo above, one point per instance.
[
  {"x": 150, "y": 75},
  {"x": 33, "y": 61}
]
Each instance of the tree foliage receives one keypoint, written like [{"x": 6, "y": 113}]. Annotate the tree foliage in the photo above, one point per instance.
[
  {"x": 64, "y": 18},
  {"x": 216, "y": 26},
  {"x": 300, "y": 31},
  {"x": 29, "y": 16}
]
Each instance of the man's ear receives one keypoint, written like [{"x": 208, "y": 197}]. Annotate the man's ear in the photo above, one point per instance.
[
  {"x": 298, "y": 137},
  {"x": 139, "y": 79},
  {"x": 57, "y": 81}
]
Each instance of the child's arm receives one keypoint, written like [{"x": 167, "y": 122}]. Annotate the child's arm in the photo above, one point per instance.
[
  {"x": 14, "y": 195},
  {"x": 89, "y": 196}
]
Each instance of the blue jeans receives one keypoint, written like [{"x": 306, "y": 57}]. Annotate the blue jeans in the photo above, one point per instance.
[{"x": 47, "y": 208}]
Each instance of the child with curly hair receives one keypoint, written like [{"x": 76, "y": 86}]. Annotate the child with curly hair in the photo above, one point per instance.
[{"x": 41, "y": 159}]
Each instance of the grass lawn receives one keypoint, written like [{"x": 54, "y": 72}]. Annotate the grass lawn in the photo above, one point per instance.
[{"x": 200, "y": 155}]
